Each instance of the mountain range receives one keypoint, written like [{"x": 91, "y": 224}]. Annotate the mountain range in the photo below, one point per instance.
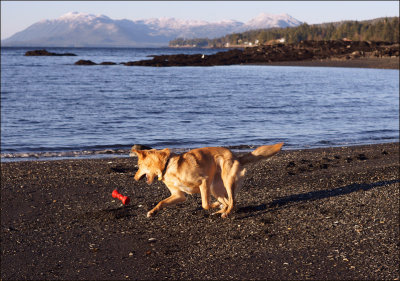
[{"x": 86, "y": 30}]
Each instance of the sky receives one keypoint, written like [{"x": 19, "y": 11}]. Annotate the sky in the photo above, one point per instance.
[{"x": 18, "y": 15}]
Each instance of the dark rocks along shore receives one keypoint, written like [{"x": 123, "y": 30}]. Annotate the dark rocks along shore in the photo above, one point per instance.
[
  {"x": 267, "y": 54},
  {"x": 305, "y": 50}
]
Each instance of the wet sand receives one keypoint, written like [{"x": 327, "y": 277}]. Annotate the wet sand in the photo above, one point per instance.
[{"x": 330, "y": 213}]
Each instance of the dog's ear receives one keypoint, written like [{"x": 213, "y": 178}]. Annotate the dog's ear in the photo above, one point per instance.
[
  {"x": 132, "y": 152},
  {"x": 164, "y": 155},
  {"x": 138, "y": 153},
  {"x": 166, "y": 152}
]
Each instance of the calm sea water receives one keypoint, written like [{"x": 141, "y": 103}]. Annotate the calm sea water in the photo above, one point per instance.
[{"x": 50, "y": 107}]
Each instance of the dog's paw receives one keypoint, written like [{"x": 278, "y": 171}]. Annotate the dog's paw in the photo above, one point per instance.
[
  {"x": 224, "y": 215},
  {"x": 216, "y": 205},
  {"x": 151, "y": 213}
]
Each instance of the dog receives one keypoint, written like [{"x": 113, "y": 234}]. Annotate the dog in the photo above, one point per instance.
[{"x": 209, "y": 171}]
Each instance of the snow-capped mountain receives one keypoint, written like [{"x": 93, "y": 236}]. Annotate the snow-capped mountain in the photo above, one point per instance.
[
  {"x": 86, "y": 30},
  {"x": 270, "y": 20}
]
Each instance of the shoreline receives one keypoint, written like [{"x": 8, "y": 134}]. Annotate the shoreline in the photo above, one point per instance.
[
  {"x": 374, "y": 63},
  {"x": 321, "y": 213},
  {"x": 124, "y": 152},
  {"x": 366, "y": 62}
]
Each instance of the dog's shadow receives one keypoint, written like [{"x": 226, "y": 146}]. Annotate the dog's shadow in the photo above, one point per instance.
[
  {"x": 110, "y": 214},
  {"x": 290, "y": 200}
]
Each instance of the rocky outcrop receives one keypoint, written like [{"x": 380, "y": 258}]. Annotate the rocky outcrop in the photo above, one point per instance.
[
  {"x": 305, "y": 50},
  {"x": 89, "y": 62},
  {"x": 302, "y": 51},
  {"x": 46, "y": 53},
  {"x": 85, "y": 62}
]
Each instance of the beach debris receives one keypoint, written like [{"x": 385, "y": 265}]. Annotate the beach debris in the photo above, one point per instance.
[{"x": 362, "y": 157}]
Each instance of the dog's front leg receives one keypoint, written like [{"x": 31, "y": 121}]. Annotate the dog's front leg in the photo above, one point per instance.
[
  {"x": 205, "y": 194},
  {"x": 175, "y": 198}
]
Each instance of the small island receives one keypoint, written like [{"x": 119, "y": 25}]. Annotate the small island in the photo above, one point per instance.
[{"x": 45, "y": 53}]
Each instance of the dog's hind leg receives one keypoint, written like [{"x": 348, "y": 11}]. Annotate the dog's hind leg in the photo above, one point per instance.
[
  {"x": 229, "y": 180},
  {"x": 175, "y": 198},
  {"x": 219, "y": 192},
  {"x": 231, "y": 202}
]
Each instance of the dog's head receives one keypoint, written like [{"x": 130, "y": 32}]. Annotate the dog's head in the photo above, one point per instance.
[{"x": 151, "y": 163}]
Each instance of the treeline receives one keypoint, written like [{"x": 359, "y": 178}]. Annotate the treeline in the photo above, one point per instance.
[{"x": 383, "y": 29}]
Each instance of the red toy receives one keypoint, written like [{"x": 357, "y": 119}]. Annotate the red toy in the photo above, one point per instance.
[{"x": 125, "y": 199}]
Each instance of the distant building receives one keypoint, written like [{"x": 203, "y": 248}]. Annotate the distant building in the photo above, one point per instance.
[{"x": 276, "y": 41}]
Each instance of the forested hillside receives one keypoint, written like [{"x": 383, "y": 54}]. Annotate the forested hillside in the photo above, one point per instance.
[{"x": 383, "y": 29}]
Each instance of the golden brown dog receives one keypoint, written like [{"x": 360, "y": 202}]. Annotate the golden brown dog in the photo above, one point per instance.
[{"x": 209, "y": 171}]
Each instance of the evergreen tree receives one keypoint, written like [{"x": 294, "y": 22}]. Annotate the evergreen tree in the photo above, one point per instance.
[{"x": 386, "y": 29}]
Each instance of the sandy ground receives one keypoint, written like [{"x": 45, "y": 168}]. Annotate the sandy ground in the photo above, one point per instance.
[{"x": 316, "y": 214}]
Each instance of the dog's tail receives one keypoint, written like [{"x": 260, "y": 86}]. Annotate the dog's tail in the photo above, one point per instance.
[{"x": 261, "y": 153}]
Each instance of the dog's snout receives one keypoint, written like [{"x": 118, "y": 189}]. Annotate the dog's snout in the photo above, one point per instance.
[
  {"x": 149, "y": 179},
  {"x": 138, "y": 178}
]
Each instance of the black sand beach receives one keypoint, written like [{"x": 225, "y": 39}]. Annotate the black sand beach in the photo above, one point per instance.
[{"x": 329, "y": 213}]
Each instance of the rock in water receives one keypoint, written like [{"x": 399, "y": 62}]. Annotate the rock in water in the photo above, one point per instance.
[
  {"x": 46, "y": 53},
  {"x": 85, "y": 62}
]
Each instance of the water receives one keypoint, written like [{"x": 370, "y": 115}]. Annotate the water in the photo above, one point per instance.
[{"x": 50, "y": 107}]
